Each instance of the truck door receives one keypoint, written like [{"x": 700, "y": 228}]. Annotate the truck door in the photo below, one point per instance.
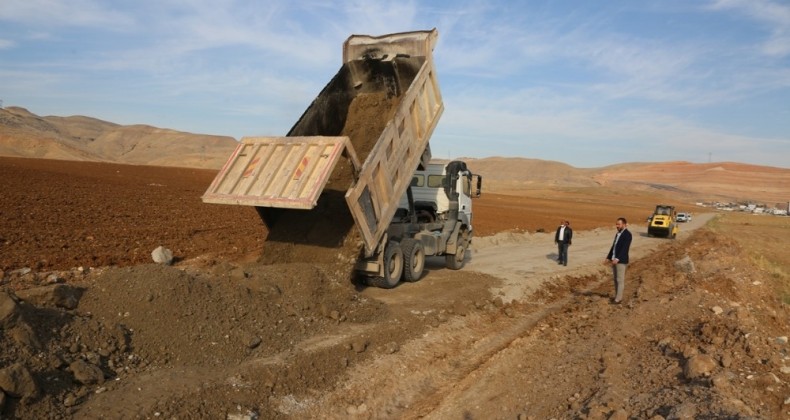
[{"x": 464, "y": 189}]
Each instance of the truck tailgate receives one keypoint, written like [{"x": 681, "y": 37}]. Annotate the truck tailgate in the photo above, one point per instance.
[
  {"x": 403, "y": 145},
  {"x": 283, "y": 172}
]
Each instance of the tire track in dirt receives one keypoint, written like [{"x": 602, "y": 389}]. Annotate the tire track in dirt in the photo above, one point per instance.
[
  {"x": 153, "y": 388},
  {"x": 450, "y": 356}
]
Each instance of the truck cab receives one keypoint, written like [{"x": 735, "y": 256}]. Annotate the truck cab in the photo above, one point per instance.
[{"x": 431, "y": 198}]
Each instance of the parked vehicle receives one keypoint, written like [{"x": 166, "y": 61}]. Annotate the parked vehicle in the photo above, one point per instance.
[
  {"x": 403, "y": 206},
  {"x": 663, "y": 223},
  {"x": 683, "y": 217}
]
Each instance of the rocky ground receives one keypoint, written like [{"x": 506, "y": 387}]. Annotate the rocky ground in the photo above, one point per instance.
[{"x": 91, "y": 328}]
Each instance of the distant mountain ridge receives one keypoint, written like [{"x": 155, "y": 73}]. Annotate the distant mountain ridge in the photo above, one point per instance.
[
  {"x": 24, "y": 134},
  {"x": 720, "y": 181}
]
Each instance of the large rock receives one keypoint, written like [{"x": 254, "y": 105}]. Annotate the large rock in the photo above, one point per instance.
[
  {"x": 56, "y": 295},
  {"x": 685, "y": 411},
  {"x": 17, "y": 381},
  {"x": 685, "y": 265},
  {"x": 699, "y": 366},
  {"x": 162, "y": 255},
  {"x": 8, "y": 308},
  {"x": 86, "y": 373},
  {"x": 25, "y": 337}
]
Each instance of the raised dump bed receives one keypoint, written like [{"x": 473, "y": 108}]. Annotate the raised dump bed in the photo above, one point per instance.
[{"x": 361, "y": 139}]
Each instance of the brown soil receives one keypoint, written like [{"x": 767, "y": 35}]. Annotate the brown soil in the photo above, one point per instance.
[
  {"x": 57, "y": 215},
  {"x": 326, "y": 233},
  {"x": 220, "y": 335}
]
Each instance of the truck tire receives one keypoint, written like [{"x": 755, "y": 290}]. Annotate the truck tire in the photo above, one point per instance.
[
  {"x": 393, "y": 267},
  {"x": 456, "y": 261},
  {"x": 413, "y": 259}
]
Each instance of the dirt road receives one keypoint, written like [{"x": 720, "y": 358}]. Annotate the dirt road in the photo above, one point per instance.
[
  {"x": 468, "y": 366},
  {"x": 525, "y": 261}
]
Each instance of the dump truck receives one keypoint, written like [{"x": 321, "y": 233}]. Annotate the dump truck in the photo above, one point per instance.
[
  {"x": 663, "y": 223},
  {"x": 364, "y": 138}
]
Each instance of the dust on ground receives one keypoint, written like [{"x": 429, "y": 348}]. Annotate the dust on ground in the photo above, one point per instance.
[{"x": 219, "y": 335}]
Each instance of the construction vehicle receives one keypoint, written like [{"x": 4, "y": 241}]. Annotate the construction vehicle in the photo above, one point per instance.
[
  {"x": 663, "y": 223},
  {"x": 332, "y": 151}
]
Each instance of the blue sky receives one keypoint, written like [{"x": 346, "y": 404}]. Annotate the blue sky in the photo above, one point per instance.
[{"x": 588, "y": 83}]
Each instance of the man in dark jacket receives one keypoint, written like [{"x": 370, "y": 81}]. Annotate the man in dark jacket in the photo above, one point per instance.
[
  {"x": 563, "y": 238},
  {"x": 618, "y": 257}
]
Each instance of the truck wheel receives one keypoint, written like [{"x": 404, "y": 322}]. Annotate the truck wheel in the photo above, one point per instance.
[
  {"x": 456, "y": 261},
  {"x": 393, "y": 267},
  {"x": 413, "y": 259}
]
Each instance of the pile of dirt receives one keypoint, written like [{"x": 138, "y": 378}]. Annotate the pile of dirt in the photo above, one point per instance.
[
  {"x": 701, "y": 336},
  {"x": 326, "y": 233},
  {"x": 121, "y": 323}
]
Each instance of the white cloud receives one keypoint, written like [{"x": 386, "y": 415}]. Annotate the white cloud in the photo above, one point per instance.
[
  {"x": 527, "y": 78},
  {"x": 775, "y": 16},
  {"x": 93, "y": 13},
  {"x": 574, "y": 132}
]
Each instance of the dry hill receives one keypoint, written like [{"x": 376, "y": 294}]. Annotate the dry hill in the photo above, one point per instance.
[
  {"x": 24, "y": 134},
  {"x": 691, "y": 182},
  {"x": 707, "y": 181}
]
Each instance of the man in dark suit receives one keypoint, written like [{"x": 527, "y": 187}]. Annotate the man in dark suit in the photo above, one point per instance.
[
  {"x": 563, "y": 238},
  {"x": 618, "y": 257}
]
